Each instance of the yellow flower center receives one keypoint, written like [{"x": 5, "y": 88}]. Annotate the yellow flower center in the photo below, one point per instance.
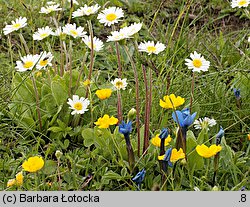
[
  {"x": 78, "y": 106},
  {"x": 197, "y": 63},
  {"x": 242, "y": 2},
  {"x": 44, "y": 35},
  {"x": 43, "y": 62},
  {"x": 119, "y": 84},
  {"x": 111, "y": 17},
  {"x": 50, "y": 10},
  {"x": 151, "y": 48},
  {"x": 89, "y": 45},
  {"x": 89, "y": 10},
  {"x": 28, "y": 64},
  {"x": 74, "y": 32},
  {"x": 17, "y": 25}
]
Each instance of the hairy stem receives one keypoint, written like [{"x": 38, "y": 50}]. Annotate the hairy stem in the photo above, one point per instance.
[{"x": 136, "y": 99}]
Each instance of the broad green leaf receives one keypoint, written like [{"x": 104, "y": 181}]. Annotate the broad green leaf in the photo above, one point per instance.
[
  {"x": 59, "y": 92},
  {"x": 88, "y": 136},
  {"x": 194, "y": 160},
  {"x": 50, "y": 167}
]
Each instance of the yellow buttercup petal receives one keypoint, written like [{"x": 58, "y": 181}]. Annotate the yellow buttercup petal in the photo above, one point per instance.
[
  {"x": 33, "y": 164},
  {"x": 208, "y": 152},
  {"x": 171, "y": 101},
  {"x": 177, "y": 155}
]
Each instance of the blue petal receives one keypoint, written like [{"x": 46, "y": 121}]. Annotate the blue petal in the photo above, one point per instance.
[
  {"x": 185, "y": 112},
  {"x": 180, "y": 118},
  {"x": 164, "y": 133}
]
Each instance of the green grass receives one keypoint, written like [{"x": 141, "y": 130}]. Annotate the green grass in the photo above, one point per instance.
[{"x": 213, "y": 29}]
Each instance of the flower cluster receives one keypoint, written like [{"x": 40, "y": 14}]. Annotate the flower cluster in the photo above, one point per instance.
[{"x": 40, "y": 61}]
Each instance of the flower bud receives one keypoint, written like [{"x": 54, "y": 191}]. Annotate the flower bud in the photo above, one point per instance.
[
  {"x": 131, "y": 114},
  {"x": 58, "y": 154},
  {"x": 215, "y": 188}
]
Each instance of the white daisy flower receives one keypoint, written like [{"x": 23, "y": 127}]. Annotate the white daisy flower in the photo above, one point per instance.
[
  {"x": 78, "y": 13},
  {"x": 97, "y": 43},
  {"x": 133, "y": 28},
  {"x": 110, "y": 16},
  {"x": 197, "y": 62},
  {"x": 119, "y": 83},
  {"x": 79, "y": 106},
  {"x": 248, "y": 39},
  {"x": 74, "y": 2},
  {"x": 27, "y": 63},
  {"x": 151, "y": 47},
  {"x": 44, "y": 60},
  {"x": 118, "y": 35},
  {"x": 15, "y": 25},
  {"x": 58, "y": 32},
  {"x": 42, "y": 33},
  {"x": 50, "y": 8},
  {"x": 88, "y": 10},
  {"x": 204, "y": 123},
  {"x": 70, "y": 29},
  {"x": 240, "y": 3}
]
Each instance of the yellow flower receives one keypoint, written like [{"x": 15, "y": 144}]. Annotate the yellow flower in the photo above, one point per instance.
[
  {"x": 11, "y": 182},
  {"x": 33, "y": 164},
  {"x": 207, "y": 152},
  {"x": 19, "y": 178},
  {"x": 171, "y": 101},
  {"x": 156, "y": 141},
  {"x": 103, "y": 93},
  {"x": 161, "y": 157},
  {"x": 105, "y": 121},
  {"x": 177, "y": 155},
  {"x": 86, "y": 82},
  {"x": 248, "y": 136}
]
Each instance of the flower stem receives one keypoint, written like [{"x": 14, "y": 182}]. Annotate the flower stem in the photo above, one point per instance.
[
  {"x": 192, "y": 92},
  {"x": 119, "y": 106},
  {"x": 70, "y": 67},
  {"x": 58, "y": 173},
  {"x": 37, "y": 101},
  {"x": 136, "y": 99},
  {"x": 118, "y": 56},
  {"x": 147, "y": 108},
  {"x": 118, "y": 60},
  {"x": 131, "y": 157},
  {"x": 91, "y": 55}
]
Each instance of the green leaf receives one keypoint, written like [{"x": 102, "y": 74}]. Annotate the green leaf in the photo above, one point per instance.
[
  {"x": 202, "y": 137},
  {"x": 195, "y": 161},
  {"x": 110, "y": 175},
  {"x": 88, "y": 136},
  {"x": 55, "y": 129},
  {"x": 50, "y": 167},
  {"x": 66, "y": 143},
  {"x": 59, "y": 92}
]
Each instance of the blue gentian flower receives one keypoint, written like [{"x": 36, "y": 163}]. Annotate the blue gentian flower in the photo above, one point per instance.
[
  {"x": 139, "y": 177},
  {"x": 164, "y": 133},
  {"x": 125, "y": 129},
  {"x": 185, "y": 119},
  {"x": 237, "y": 93},
  {"x": 219, "y": 136},
  {"x": 168, "y": 156}
]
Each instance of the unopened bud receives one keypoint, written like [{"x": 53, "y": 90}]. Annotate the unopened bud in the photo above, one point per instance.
[
  {"x": 215, "y": 188},
  {"x": 131, "y": 114},
  {"x": 58, "y": 154}
]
